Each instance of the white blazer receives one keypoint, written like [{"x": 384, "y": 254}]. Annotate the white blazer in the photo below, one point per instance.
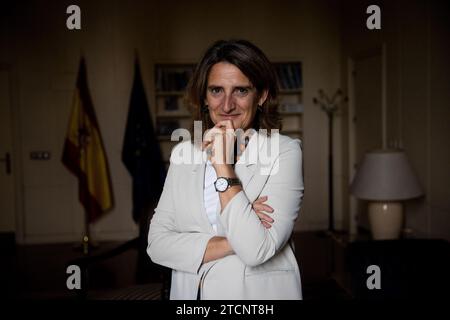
[{"x": 264, "y": 265}]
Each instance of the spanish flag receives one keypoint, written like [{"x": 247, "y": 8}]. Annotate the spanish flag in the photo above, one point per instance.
[{"x": 84, "y": 154}]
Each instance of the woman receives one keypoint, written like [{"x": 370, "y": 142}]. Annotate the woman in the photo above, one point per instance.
[{"x": 224, "y": 228}]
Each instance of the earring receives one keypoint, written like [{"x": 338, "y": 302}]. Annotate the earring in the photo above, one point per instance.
[{"x": 260, "y": 109}]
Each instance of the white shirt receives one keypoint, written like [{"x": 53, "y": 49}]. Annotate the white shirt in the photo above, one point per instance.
[{"x": 211, "y": 199}]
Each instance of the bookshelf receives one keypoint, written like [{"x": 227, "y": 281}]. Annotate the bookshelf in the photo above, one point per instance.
[
  {"x": 172, "y": 112},
  {"x": 290, "y": 96}
]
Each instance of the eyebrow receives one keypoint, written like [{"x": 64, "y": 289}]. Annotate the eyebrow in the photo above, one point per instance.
[{"x": 248, "y": 87}]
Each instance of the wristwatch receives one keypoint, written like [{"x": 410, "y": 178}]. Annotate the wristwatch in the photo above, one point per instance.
[{"x": 222, "y": 183}]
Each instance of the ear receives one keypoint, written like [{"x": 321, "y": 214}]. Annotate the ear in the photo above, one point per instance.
[{"x": 263, "y": 97}]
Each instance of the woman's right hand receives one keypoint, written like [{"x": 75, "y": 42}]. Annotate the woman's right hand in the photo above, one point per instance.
[{"x": 259, "y": 208}]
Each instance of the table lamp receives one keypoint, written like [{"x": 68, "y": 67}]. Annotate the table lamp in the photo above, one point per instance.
[{"x": 385, "y": 178}]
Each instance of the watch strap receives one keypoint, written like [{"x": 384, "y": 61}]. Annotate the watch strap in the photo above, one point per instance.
[{"x": 233, "y": 182}]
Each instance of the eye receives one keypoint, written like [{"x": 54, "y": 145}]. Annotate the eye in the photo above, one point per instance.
[
  {"x": 215, "y": 90},
  {"x": 241, "y": 91}
]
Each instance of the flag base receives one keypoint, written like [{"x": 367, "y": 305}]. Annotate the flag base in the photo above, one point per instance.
[{"x": 86, "y": 245}]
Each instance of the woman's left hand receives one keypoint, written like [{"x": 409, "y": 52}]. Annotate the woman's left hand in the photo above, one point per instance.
[{"x": 259, "y": 207}]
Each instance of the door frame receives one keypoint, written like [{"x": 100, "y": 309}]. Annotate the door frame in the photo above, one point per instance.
[
  {"x": 353, "y": 227},
  {"x": 16, "y": 153}
]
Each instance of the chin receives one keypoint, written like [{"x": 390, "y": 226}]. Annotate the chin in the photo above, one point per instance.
[
  {"x": 236, "y": 122},
  {"x": 237, "y": 125}
]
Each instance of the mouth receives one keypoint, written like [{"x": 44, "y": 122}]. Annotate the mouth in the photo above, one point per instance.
[{"x": 229, "y": 116}]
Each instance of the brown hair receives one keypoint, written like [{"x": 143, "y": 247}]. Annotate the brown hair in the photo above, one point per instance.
[{"x": 254, "y": 64}]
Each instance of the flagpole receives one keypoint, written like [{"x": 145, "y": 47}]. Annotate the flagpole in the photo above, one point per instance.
[
  {"x": 85, "y": 244},
  {"x": 87, "y": 235},
  {"x": 85, "y": 157}
]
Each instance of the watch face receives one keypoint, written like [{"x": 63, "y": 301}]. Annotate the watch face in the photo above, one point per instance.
[{"x": 221, "y": 184}]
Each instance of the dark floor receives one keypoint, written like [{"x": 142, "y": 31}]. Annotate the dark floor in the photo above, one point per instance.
[{"x": 39, "y": 272}]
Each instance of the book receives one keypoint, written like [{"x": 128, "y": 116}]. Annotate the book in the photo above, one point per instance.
[{"x": 289, "y": 107}]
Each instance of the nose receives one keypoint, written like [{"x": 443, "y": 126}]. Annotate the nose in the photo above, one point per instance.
[{"x": 228, "y": 104}]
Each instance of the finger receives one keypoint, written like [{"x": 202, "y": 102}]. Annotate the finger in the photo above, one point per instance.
[
  {"x": 261, "y": 199},
  {"x": 266, "y": 225},
  {"x": 241, "y": 150},
  {"x": 210, "y": 134},
  {"x": 266, "y": 208},
  {"x": 205, "y": 144},
  {"x": 261, "y": 207},
  {"x": 257, "y": 206},
  {"x": 207, "y": 136},
  {"x": 227, "y": 124},
  {"x": 264, "y": 217}
]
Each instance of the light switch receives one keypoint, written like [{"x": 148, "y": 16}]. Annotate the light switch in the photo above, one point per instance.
[{"x": 40, "y": 155}]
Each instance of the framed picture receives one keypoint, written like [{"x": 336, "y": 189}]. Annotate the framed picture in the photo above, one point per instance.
[
  {"x": 165, "y": 127},
  {"x": 171, "y": 105}
]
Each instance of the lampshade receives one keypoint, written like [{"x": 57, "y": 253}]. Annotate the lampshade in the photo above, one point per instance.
[{"x": 385, "y": 175}]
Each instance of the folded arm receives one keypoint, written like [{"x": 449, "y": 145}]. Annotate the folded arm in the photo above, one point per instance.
[
  {"x": 219, "y": 247},
  {"x": 250, "y": 240}
]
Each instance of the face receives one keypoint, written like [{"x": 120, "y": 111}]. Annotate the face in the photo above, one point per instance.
[{"x": 231, "y": 96}]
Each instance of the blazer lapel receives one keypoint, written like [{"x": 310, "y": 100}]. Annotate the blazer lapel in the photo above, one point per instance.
[
  {"x": 249, "y": 166},
  {"x": 198, "y": 179}
]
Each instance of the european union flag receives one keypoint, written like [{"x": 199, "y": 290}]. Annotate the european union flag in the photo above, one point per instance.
[{"x": 141, "y": 153}]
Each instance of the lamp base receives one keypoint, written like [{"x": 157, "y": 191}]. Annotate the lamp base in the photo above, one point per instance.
[{"x": 386, "y": 219}]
